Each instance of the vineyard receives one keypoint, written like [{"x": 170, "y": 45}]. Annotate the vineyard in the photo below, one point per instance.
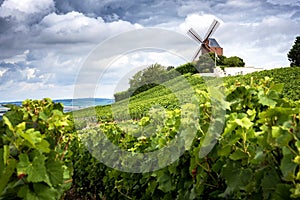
[{"x": 234, "y": 138}]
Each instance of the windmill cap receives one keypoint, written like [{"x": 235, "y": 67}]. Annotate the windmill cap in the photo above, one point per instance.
[{"x": 213, "y": 42}]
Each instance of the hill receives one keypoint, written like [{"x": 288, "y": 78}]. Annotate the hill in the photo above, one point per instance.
[
  {"x": 167, "y": 94},
  {"x": 183, "y": 140}
]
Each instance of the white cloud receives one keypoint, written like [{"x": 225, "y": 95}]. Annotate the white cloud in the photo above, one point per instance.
[
  {"x": 30, "y": 73},
  {"x": 24, "y": 8},
  {"x": 17, "y": 58},
  {"x": 75, "y": 27},
  {"x": 2, "y": 72},
  {"x": 200, "y": 23}
]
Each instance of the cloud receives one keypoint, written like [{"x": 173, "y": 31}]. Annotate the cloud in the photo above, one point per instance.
[
  {"x": 44, "y": 43},
  {"x": 26, "y": 9},
  {"x": 286, "y": 2},
  {"x": 75, "y": 27}
]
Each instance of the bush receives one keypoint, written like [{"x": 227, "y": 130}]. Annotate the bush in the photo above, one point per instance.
[{"x": 34, "y": 141}]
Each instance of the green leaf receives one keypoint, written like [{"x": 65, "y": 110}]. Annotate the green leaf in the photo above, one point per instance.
[
  {"x": 225, "y": 151},
  {"x": 266, "y": 101},
  {"x": 236, "y": 178},
  {"x": 297, "y": 160},
  {"x": 26, "y": 194},
  {"x": 288, "y": 167},
  {"x": 40, "y": 192},
  {"x": 36, "y": 140},
  {"x": 43, "y": 146},
  {"x": 55, "y": 171},
  {"x": 23, "y": 164},
  {"x": 32, "y": 136},
  {"x": 165, "y": 182},
  {"x": 151, "y": 187},
  {"x": 43, "y": 116},
  {"x": 298, "y": 145},
  {"x": 21, "y": 126},
  {"x": 296, "y": 191},
  {"x": 269, "y": 183},
  {"x": 45, "y": 192},
  {"x": 282, "y": 192},
  {"x": 276, "y": 131},
  {"x": 238, "y": 154},
  {"x": 278, "y": 87},
  {"x": 6, "y": 174},
  {"x": 8, "y": 123},
  {"x": 35, "y": 170},
  {"x": 244, "y": 122},
  {"x": 259, "y": 157}
]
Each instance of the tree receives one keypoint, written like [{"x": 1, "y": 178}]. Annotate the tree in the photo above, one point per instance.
[
  {"x": 187, "y": 68},
  {"x": 294, "y": 53},
  {"x": 234, "y": 61},
  {"x": 170, "y": 68},
  {"x": 151, "y": 74}
]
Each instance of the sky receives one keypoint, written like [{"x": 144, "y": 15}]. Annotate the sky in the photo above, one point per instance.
[{"x": 63, "y": 48}]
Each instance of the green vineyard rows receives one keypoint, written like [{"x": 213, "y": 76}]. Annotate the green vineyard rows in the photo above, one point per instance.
[{"x": 256, "y": 155}]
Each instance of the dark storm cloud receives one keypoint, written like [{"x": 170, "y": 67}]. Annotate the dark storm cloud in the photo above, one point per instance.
[
  {"x": 156, "y": 11},
  {"x": 5, "y": 24}
]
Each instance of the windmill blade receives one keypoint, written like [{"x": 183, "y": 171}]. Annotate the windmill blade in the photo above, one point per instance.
[
  {"x": 213, "y": 27},
  {"x": 196, "y": 55},
  {"x": 192, "y": 33}
]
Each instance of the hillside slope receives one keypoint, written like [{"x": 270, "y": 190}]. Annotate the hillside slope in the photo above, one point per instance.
[{"x": 171, "y": 92}]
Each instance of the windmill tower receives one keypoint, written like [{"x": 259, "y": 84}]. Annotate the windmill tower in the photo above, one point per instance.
[{"x": 208, "y": 44}]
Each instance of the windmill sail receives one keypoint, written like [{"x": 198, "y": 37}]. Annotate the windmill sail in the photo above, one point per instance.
[
  {"x": 213, "y": 27},
  {"x": 194, "y": 35},
  {"x": 197, "y": 54}
]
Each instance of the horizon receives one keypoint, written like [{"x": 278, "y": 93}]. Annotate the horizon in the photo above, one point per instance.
[{"x": 20, "y": 101}]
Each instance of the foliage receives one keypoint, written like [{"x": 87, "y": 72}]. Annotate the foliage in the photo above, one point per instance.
[
  {"x": 256, "y": 156},
  {"x": 223, "y": 61},
  {"x": 144, "y": 80},
  {"x": 121, "y": 95},
  {"x": 294, "y": 53},
  {"x": 234, "y": 61},
  {"x": 170, "y": 68},
  {"x": 34, "y": 142},
  {"x": 288, "y": 76},
  {"x": 219, "y": 58},
  {"x": 187, "y": 68},
  {"x": 147, "y": 76}
]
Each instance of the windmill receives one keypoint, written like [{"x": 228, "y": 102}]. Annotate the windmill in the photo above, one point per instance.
[{"x": 208, "y": 44}]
